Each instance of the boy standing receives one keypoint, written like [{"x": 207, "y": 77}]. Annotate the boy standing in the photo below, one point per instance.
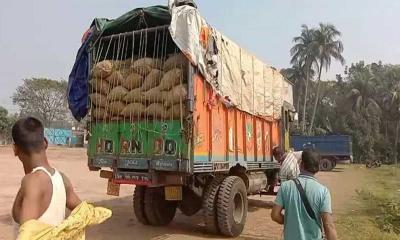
[{"x": 45, "y": 192}]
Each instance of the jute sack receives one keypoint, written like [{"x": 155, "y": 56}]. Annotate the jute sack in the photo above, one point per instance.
[
  {"x": 98, "y": 99},
  {"x": 155, "y": 110},
  {"x": 99, "y": 113},
  {"x": 117, "y": 94},
  {"x": 175, "y": 95},
  {"x": 174, "y": 111},
  {"x": 133, "y": 110},
  {"x": 143, "y": 66},
  {"x": 99, "y": 86},
  {"x": 134, "y": 80},
  {"x": 153, "y": 95},
  {"x": 171, "y": 78},
  {"x": 175, "y": 61},
  {"x": 152, "y": 79},
  {"x": 117, "y": 118},
  {"x": 123, "y": 64},
  {"x": 116, "y": 107},
  {"x": 135, "y": 95},
  {"x": 103, "y": 69},
  {"x": 119, "y": 64},
  {"x": 115, "y": 78}
]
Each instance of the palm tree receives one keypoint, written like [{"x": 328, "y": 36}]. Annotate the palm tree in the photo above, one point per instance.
[
  {"x": 304, "y": 54},
  {"x": 364, "y": 88},
  {"x": 328, "y": 47},
  {"x": 391, "y": 108},
  {"x": 297, "y": 75}
]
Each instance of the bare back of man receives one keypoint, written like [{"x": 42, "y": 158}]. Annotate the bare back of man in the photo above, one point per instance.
[{"x": 36, "y": 193}]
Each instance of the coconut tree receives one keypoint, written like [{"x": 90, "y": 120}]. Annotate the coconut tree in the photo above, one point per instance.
[
  {"x": 303, "y": 53},
  {"x": 326, "y": 41},
  {"x": 297, "y": 75},
  {"x": 391, "y": 105}
]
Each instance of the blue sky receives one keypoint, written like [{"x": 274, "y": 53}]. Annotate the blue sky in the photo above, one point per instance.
[{"x": 40, "y": 38}]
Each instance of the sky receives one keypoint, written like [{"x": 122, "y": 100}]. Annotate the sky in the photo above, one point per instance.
[{"x": 41, "y": 38}]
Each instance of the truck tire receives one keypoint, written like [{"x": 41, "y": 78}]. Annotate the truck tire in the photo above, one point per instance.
[
  {"x": 159, "y": 212},
  {"x": 191, "y": 203},
  {"x": 325, "y": 165},
  {"x": 138, "y": 204},
  {"x": 210, "y": 196},
  {"x": 232, "y": 206}
]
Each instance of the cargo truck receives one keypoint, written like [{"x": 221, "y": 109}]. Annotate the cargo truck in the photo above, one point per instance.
[
  {"x": 333, "y": 148},
  {"x": 181, "y": 112}
]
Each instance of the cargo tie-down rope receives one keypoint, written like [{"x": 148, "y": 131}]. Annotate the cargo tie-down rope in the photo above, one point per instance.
[{"x": 138, "y": 77}]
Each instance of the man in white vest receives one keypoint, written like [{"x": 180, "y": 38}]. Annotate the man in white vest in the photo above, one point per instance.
[{"x": 45, "y": 192}]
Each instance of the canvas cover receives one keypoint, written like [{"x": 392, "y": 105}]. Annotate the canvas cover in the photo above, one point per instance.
[
  {"x": 233, "y": 72},
  {"x": 251, "y": 85}
]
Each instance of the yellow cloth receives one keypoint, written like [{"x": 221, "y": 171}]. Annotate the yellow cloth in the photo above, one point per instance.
[{"x": 72, "y": 228}]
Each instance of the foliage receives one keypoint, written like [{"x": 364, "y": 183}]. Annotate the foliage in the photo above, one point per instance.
[
  {"x": 42, "y": 98},
  {"x": 363, "y": 103},
  {"x": 304, "y": 57},
  {"x": 314, "y": 48},
  {"x": 328, "y": 45},
  {"x": 6, "y": 123}
]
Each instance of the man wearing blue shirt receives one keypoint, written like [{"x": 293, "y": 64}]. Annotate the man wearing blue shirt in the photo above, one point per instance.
[{"x": 299, "y": 222}]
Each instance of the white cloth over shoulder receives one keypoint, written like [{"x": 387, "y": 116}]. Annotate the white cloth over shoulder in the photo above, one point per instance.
[{"x": 290, "y": 166}]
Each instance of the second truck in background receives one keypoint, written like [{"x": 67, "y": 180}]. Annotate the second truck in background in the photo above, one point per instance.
[{"x": 333, "y": 148}]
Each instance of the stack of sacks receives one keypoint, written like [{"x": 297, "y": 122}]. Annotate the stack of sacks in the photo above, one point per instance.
[{"x": 142, "y": 87}]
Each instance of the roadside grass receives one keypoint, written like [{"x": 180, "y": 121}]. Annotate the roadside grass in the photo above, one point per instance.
[{"x": 376, "y": 211}]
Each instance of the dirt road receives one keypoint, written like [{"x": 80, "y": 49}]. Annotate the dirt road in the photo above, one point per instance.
[{"x": 123, "y": 225}]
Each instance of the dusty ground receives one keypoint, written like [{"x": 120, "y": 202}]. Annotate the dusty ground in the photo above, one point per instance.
[{"x": 123, "y": 225}]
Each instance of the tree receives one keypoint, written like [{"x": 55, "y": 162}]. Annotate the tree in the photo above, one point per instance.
[
  {"x": 42, "y": 98},
  {"x": 297, "y": 75},
  {"x": 391, "y": 103},
  {"x": 6, "y": 123},
  {"x": 328, "y": 46},
  {"x": 304, "y": 54}
]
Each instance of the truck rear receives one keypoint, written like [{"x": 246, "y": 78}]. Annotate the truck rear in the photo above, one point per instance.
[
  {"x": 333, "y": 148},
  {"x": 191, "y": 124}
]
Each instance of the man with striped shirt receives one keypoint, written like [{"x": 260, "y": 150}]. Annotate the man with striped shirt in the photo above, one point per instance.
[{"x": 290, "y": 163}]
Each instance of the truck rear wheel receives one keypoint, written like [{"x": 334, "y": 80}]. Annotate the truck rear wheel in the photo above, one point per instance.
[
  {"x": 210, "y": 203},
  {"x": 159, "y": 212},
  {"x": 232, "y": 206},
  {"x": 138, "y": 204},
  {"x": 325, "y": 165}
]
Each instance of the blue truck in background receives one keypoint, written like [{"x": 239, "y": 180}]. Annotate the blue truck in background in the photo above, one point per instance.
[{"x": 332, "y": 148}]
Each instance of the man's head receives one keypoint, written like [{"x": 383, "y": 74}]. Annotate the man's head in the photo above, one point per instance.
[
  {"x": 310, "y": 161},
  {"x": 277, "y": 152},
  {"x": 28, "y": 137}
]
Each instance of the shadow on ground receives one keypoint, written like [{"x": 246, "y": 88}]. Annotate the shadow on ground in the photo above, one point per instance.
[{"x": 124, "y": 225}]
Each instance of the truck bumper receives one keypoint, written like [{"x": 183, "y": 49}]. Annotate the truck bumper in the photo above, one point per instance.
[
  {"x": 140, "y": 171},
  {"x": 160, "y": 164}
]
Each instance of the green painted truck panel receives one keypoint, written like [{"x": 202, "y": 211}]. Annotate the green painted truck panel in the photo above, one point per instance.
[{"x": 138, "y": 140}]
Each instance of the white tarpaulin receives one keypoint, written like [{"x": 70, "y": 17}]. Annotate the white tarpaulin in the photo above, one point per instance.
[{"x": 250, "y": 84}]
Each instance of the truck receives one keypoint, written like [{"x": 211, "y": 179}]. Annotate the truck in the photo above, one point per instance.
[
  {"x": 182, "y": 112},
  {"x": 332, "y": 148}
]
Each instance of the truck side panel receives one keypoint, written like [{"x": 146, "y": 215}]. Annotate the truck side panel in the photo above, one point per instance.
[
  {"x": 336, "y": 145},
  {"x": 225, "y": 136}
]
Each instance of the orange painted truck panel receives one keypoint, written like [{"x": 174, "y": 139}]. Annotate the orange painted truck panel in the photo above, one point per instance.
[{"x": 224, "y": 133}]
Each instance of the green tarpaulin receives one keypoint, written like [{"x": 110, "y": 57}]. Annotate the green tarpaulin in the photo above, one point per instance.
[{"x": 136, "y": 19}]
